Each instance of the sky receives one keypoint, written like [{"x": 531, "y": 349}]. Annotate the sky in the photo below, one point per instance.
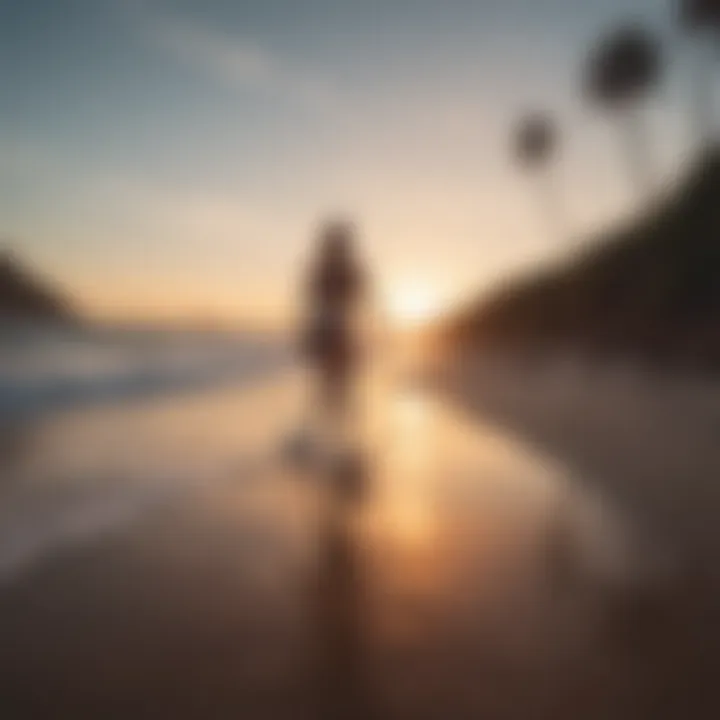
[{"x": 169, "y": 158}]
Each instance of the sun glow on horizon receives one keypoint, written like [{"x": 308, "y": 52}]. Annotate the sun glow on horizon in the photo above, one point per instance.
[{"x": 413, "y": 303}]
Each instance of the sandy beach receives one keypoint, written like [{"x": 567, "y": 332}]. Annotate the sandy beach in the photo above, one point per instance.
[{"x": 162, "y": 559}]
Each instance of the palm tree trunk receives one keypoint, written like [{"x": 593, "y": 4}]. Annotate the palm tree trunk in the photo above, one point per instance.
[
  {"x": 552, "y": 205},
  {"x": 703, "y": 95},
  {"x": 635, "y": 133}
]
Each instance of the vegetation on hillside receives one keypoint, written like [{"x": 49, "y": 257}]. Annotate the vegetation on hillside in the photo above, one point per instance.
[{"x": 650, "y": 290}]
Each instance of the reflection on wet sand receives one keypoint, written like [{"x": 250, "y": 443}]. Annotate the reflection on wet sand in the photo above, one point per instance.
[
  {"x": 340, "y": 608},
  {"x": 465, "y": 577},
  {"x": 490, "y": 572},
  {"x": 473, "y": 582}
]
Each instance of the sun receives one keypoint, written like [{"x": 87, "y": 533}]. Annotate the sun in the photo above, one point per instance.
[{"x": 413, "y": 304}]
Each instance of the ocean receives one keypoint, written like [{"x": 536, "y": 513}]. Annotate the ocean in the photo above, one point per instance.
[{"x": 46, "y": 368}]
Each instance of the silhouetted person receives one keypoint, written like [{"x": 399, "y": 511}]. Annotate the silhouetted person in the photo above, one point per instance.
[{"x": 335, "y": 290}]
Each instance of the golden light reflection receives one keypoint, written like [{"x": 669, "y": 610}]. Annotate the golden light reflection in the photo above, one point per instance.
[{"x": 407, "y": 508}]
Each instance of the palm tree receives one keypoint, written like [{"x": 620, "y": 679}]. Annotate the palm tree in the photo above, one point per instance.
[
  {"x": 535, "y": 142},
  {"x": 622, "y": 70},
  {"x": 701, "y": 18}
]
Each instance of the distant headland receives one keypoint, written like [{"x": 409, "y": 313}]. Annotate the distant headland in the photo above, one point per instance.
[{"x": 25, "y": 296}]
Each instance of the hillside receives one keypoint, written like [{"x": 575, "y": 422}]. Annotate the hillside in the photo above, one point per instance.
[
  {"x": 23, "y": 296},
  {"x": 651, "y": 290}
]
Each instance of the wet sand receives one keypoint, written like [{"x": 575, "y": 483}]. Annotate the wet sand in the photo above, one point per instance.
[
  {"x": 648, "y": 441},
  {"x": 163, "y": 560}
]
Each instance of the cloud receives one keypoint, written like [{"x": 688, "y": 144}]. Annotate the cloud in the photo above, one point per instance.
[{"x": 236, "y": 62}]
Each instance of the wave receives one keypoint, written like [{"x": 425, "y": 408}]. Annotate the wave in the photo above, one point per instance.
[{"x": 45, "y": 369}]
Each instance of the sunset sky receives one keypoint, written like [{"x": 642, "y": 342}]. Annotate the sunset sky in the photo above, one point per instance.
[{"x": 174, "y": 158}]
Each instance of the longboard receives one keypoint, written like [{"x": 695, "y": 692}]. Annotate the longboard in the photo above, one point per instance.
[{"x": 347, "y": 466}]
